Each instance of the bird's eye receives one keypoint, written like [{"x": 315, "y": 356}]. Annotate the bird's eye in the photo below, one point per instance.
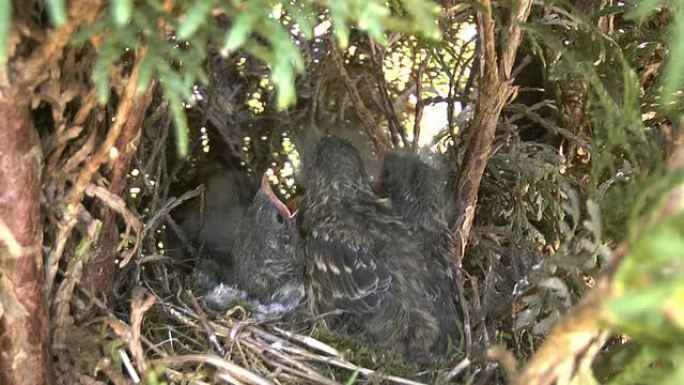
[{"x": 279, "y": 218}]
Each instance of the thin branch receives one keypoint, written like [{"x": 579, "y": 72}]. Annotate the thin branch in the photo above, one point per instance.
[
  {"x": 419, "y": 104},
  {"x": 31, "y": 71},
  {"x": 129, "y": 99},
  {"x": 396, "y": 129},
  {"x": 378, "y": 137}
]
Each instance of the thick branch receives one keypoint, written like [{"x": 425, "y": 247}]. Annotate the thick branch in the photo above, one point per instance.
[
  {"x": 24, "y": 354},
  {"x": 495, "y": 91}
]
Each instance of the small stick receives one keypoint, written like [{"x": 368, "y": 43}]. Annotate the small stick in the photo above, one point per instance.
[{"x": 211, "y": 336}]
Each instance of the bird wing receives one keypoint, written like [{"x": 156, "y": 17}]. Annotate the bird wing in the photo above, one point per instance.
[{"x": 350, "y": 276}]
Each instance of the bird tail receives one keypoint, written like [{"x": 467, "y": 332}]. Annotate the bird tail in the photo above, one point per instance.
[{"x": 422, "y": 336}]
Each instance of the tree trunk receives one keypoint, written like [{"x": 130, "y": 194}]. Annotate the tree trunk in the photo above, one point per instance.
[{"x": 24, "y": 352}]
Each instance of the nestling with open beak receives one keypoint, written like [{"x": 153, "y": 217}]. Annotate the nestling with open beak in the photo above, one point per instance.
[
  {"x": 263, "y": 270},
  {"x": 264, "y": 249}
]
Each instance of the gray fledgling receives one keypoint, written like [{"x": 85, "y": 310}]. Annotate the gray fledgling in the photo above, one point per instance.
[
  {"x": 264, "y": 250},
  {"x": 417, "y": 192},
  {"x": 361, "y": 258},
  {"x": 254, "y": 262}
]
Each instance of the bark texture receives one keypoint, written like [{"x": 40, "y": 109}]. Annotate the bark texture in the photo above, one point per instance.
[
  {"x": 495, "y": 90},
  {"x": 24, "y": 354}
]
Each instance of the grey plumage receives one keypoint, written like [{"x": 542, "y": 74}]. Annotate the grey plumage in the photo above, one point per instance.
[
  {"x": 247, "y": 248},
  {"x": 417, "y": 192},
  {"x": 264, "y": 249},
  {"x": 361, "y": 258}
]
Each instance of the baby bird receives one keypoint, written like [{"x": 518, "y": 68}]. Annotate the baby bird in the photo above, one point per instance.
[
  {"x": 264, "y": 249},
  {"x": 417, "y": 192},
  {"x": 361, "y": 258},
  {"x": 260, "y": 267}
]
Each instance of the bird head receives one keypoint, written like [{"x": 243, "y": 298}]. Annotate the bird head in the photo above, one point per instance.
[
  {"x": 270, "y": 218},
  {"x": 335, "y": 162},
  {"x": 414, "y": 187}
]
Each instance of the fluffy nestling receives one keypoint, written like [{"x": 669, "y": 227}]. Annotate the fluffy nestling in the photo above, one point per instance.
[
  {"x": 361, "y": 258},
  {"x": 417, "y": 192},
  {"x": 264, "y": 250},
  {"x": 258, "y": 265}
]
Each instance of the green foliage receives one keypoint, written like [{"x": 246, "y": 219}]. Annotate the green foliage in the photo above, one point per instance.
[
  {"x": 638, "y": 367},
  {"x": 82, "y": 251},
  {"x": 643, "y": 8},
  {"x": 672, "y": 77},
  {"x": 195, "y": 16},
  {"x": 352, "y": 378},
  {"x": 121, "y": 11},
  {"x": 650, "y": 283},
  {"x": 265, "y": 29},
  {"x": 5, "y": 26},
  {"x": 612, "y": 106},
  {"x": 58, "y": 12},
  {"x": 624, "y": 112},
  {"x": 153, "y": 376},
  {"x": 113, "y": 350}
]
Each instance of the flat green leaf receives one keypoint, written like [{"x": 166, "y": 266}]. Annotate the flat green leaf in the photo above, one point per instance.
[{"x": 5, "y": 26}]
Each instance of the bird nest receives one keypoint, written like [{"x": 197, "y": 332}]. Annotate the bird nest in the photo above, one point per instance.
[
  {"x": 159, "y": 330},
  {"x": 177, "y": 338}
]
